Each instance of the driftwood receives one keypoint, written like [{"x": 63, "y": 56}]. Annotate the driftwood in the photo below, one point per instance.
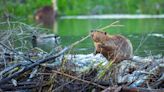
[
  {"x": 24, "y": 69},
  {"x": 38, "y": 70}
]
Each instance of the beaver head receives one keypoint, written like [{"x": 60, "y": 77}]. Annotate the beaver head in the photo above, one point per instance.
[{"x": 99, "y": 36}]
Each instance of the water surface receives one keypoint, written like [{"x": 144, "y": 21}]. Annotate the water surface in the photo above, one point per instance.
[{"x": 139, "y": 31}]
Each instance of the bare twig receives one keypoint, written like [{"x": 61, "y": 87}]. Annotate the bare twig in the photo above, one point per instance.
[
  {"x": 14, "y": 51},
  {"x": 40, "y": 62},
  {"x": 111, "y": 25},
  {"x": 82, "y": 80},
  {"x": 158, "y": 82},
  {"x": 34, "y": 64}
]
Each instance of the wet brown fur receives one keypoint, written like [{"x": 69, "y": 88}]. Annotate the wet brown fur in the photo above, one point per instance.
[
  {"x": 113, "y": 47},
  {"x": 46, "y": 16}
]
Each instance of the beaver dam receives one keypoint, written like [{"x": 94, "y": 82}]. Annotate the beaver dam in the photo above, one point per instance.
[{"x": 25, "y": 65}]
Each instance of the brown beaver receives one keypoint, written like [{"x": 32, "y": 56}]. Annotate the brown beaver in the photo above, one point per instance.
[
  {"x": 113, "y": 47},
  {"x": 46, "y": 16}
]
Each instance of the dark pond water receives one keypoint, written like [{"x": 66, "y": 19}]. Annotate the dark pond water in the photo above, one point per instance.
[{"x": 146, "y": 35}]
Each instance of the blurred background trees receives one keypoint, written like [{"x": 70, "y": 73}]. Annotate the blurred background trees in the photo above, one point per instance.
[{"x": 84, "y": 7}]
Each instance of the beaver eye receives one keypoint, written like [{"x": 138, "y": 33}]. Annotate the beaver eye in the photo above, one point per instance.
[{"x": 105, "y": 33}]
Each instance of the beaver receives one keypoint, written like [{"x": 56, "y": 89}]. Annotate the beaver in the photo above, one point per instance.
[
  {"x": 46, "y": 16},
  {"x": 113, "y": 47}
]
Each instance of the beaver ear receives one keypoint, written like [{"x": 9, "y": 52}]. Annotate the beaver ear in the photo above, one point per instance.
[{"x": 105, "y": 33}]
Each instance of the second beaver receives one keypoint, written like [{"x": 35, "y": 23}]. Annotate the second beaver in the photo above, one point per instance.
[
  {"x": 46, "y": 16},
  {"x": 113, "y": 47}
]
